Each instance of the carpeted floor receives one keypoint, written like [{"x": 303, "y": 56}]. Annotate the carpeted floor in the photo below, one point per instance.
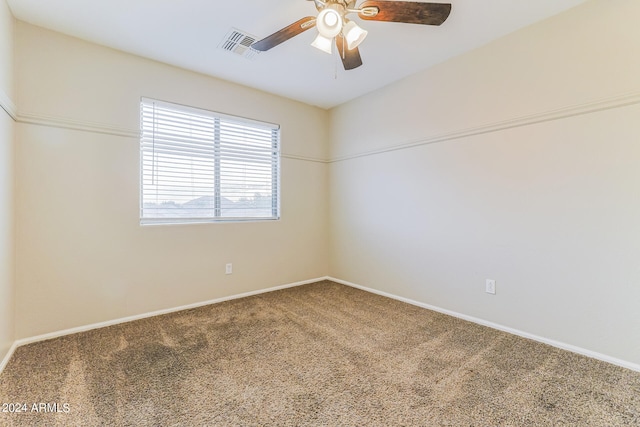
[{"x": 320, "y": 354}]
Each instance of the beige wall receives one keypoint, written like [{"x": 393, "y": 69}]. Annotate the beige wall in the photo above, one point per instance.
[
  {"x": 524, "y": 170},
  {"x": 583, "y": 55},
  {"x": 82, "y": 256},
  {"x": 530, "y": 178},
  {"x": 6, "y": 181},
  {"x": 6, "y": 234},
  {"x": 6, "y": 53}
]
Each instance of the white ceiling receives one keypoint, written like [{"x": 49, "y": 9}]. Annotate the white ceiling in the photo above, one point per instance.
[{"x": 187, "y": 33}]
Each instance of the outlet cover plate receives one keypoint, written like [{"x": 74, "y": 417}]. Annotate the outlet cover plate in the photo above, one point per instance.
[{"x": 490, "y": 287}]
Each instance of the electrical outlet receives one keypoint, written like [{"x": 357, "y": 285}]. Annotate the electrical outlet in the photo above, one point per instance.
[
  {"x": 490, "y": 286},
  {"x": 228, "y": 269}
]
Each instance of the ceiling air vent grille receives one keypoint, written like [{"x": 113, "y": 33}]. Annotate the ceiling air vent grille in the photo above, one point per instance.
[{"x": 239, "y": 43}]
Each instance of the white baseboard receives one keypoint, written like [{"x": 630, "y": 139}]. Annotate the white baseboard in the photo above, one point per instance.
[
  {"x": 7, "y": 356},
  {"x": 558, "y": 344},
  {"x": 51, "y": 335},
  {"x": 561, "y": 345}
]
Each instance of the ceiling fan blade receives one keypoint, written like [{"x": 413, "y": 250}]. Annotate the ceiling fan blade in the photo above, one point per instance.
[
  {"x": 285, "y": 34},
  {"x": 405, "y": 11},
  {"x": 350, "y": 58}
]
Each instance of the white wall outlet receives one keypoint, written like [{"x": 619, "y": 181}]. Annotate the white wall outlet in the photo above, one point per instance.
[
  {"x": 490, "y": 286},
  {"x": 228, "y": 269}
]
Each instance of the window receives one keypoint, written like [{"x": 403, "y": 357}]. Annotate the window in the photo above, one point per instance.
[{"x": 200, "y": 166}]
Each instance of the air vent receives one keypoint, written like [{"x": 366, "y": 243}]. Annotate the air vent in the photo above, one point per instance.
[{"x": 239, "y": 43}]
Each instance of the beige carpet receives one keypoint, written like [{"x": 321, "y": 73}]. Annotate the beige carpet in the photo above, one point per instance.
[{"x": 320, "y": 354}]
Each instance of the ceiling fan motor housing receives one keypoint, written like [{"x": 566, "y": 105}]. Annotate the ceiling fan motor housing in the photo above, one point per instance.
[{"x": 346, "y": 4}]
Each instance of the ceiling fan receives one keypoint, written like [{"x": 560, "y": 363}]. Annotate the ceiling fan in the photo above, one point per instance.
[{"x": 333, "y": 24}]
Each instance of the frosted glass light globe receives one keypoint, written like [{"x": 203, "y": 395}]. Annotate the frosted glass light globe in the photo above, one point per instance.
[{"x": 329, "y": 23}]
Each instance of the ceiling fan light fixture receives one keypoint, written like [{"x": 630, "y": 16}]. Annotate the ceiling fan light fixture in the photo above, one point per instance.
[
  {"x": 334, "y": 27},
  {"x": 354, "y": 34},
  {"x": 329, "y": 23},
  {"x": 323, "y": 43}
]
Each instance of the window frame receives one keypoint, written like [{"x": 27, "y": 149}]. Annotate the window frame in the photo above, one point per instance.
[{"x": 216, "y": 217}]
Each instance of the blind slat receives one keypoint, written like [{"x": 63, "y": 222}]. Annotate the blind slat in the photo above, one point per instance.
[{"x": 196, "y": 165}]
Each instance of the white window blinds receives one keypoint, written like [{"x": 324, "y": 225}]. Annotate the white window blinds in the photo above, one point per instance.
[{"x": 200, "y": 166}]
